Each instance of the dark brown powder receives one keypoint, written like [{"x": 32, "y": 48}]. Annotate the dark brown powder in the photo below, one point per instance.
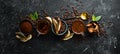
[
  {"x": 26, "y": 26},
  {"x": 43, "y": 26}
]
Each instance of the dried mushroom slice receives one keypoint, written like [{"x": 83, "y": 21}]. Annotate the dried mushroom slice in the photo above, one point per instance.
[
  {"x": 49, "y": 18},
  {"x": 68, "y": 35},
  {"x": 57, "y": 25},
  {"x": 23, "y": 38},
  {"x": 93, "y": 27}
]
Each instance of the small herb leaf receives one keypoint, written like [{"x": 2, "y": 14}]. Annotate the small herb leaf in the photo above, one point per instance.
[
  {"x": 98, "y": 18},
  {"x": 32, "y": 17},
  {"x": 36, "y": 15},
  {"x": 93, "y": 18}
]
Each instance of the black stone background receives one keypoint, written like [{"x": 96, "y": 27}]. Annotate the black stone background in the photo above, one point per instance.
[{"x": 12, "y": 10}]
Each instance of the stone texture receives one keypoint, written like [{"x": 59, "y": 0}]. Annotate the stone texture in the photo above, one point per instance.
[{"x": 12, "y": 10}]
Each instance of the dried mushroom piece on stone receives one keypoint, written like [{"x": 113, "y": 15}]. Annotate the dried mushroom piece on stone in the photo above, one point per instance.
[
  {"x": 68, "y": 36},
  {"x": 22, "y": 37},
  {"x": 93, "y": 26}
]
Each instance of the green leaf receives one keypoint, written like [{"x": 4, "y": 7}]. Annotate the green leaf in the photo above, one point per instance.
[
  {"x": 32, "y": 17},
  {"x": 93, "y": 18},
  {"x": 98, "y": 18},
  {"x": 36, "y": 15}
]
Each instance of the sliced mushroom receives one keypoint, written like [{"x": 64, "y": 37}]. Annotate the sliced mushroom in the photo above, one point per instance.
[
  {"x": 23, "y": 38},
  {"x": 68, "y": 36},
  {"x": 97, "y": 27},
  {"x": 49, "y": 18},
  {"x": 93, "y": 27},
  {"x": 57, "y": 25},
  {"x": 20, "y": 34}
]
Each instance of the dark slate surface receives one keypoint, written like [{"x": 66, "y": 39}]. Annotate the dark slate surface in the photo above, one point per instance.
[{"x": 12, "y": 10}]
